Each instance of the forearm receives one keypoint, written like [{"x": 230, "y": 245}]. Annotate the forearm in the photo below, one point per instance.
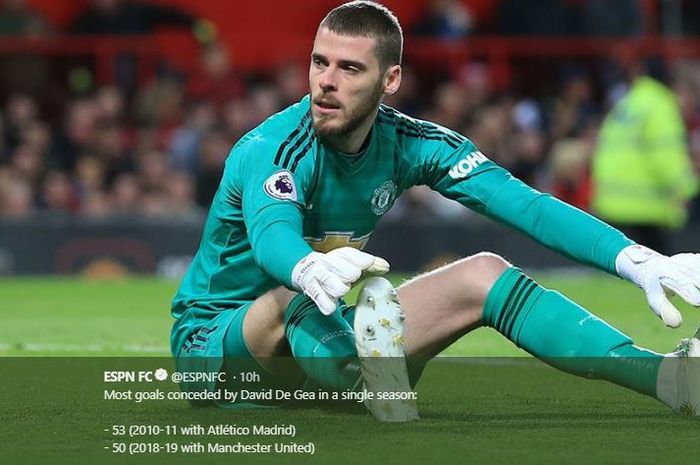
[
  {"x": 557, "y": 225},
  {"x": 274, "y": 229},
  {"x": 277, "y": 248}
]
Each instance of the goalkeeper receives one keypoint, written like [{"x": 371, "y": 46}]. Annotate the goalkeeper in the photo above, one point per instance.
[{"x": 304, "y": 190}]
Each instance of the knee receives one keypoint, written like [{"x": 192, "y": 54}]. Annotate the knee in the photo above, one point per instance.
[
  {"x": 488, "y": 265},
  {"x": 279, "y": 300},
  {"x": 481, "y": 271}
]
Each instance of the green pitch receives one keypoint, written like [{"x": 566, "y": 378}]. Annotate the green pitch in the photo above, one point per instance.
[
  {"x": 74, "y": 317},
  {"x": 497, "y": 411}
]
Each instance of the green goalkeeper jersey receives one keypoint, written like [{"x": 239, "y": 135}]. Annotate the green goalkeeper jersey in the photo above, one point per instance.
[{"x": 284, "y": 192}]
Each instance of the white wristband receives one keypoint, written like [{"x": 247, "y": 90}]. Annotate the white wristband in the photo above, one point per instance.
[{"x": 628, "y": 261}]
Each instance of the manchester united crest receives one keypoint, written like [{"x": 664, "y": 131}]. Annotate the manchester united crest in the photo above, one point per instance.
[{"x": 383, "y": 197}]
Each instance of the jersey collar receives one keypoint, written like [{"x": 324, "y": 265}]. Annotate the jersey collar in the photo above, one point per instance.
[{"x": 351, "y": 164}]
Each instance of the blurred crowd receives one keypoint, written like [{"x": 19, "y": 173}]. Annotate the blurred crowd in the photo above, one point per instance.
[
  {"x": 158, "y": 149},
  {"x": 548, "y": 140}
]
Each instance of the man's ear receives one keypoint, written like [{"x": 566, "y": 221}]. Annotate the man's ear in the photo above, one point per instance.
[{"x": 392, "y": 79}]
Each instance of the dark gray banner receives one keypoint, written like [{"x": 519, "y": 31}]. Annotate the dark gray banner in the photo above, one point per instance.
[{"x": 472, "y": 410}]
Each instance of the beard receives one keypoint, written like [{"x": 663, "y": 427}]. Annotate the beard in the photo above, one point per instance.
[{"x": 355, "y": 116}]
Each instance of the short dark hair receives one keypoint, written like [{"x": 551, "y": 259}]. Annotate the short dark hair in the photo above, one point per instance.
[{"x": 369, "y": 19}]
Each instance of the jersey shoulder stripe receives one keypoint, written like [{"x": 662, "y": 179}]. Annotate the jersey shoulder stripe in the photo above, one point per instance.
[
  {"x": 297, "y": 144},
  {"x": 305, "y": 133},
  {"x": 419, "y": 129},
  {"x": 302, "y": 153},
  {"x": 300, "y": 129}
]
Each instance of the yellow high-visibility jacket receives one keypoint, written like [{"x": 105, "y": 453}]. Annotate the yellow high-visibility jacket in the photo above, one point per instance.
[{"x": 642, "y": 173}]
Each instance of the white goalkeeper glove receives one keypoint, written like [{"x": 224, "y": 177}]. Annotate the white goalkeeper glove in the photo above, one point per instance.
[
  {"x": 326, "y": 277},
  {"x": 658, "y": 275}
]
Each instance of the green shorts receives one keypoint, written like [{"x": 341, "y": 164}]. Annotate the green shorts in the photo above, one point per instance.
[
  {"x": 209, "y": 341},
  {"x": 216, "y": 344}
]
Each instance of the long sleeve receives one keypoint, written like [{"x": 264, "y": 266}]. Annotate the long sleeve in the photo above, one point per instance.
[
  {"x": 467, "y": 176},
  {"x": 553, "y": 223},
  {"x": 276, "y": 239},
  {"x": 273, "y": 202}
]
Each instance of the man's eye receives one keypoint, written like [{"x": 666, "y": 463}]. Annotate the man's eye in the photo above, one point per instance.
[{"x": 351, "y": 69}]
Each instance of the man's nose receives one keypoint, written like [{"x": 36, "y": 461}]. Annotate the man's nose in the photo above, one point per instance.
[{"x": 328, "y": 80}]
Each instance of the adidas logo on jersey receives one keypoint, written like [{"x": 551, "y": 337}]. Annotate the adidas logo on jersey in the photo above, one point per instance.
[{"x": 462, "y": 168}]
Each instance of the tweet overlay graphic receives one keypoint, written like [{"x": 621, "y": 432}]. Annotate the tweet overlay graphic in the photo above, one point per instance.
[{"x": 148, "y": 410}]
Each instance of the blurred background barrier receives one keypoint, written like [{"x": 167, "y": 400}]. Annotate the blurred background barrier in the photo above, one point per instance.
[{"x": 117, "y": 247}]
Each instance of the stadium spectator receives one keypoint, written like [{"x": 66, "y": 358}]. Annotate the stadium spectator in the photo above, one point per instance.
[
  {"x": 642, "y": 173},
  {"x": 476, "y": 80},
  {"x": 448, "y": 108},
  {"x": 108, "y": 143},
  {"x": 57, "y": 194},
  {"x": 180, "y": 192},
  {"x": 264, "y": 98},
  {"x": 687, "y": 88},
  {"x": 445, "y": 19},
  {"x": 23, "y": 72},
  {"x": 90, "y": 187},
  {"x": 132, "y": 18},
  {"x": 527, "y": 152},
  {"x": 37, "y": 135},
  {"x": 18, "y": 19},
  {"x": 690, "y": 17},
  {"x": 152, "y": 170},
  {"x": 194, "y": 118},
  {"x": 184, "y": 144},
  {"x": 212, "y": 154},
  {"x": 126, "y": 195},
  {"x": 620, "y": 18},
  {"x": 73, "y": 137},
  {"x": 89, "y": 178},
  {"x": 16, "y": 196},
  {"x": 111, "y": 103},
  {"x": 573, "y": 109},
  {"x": 29, "y": 164},
  {"x": 160, "y": 102},
  {"x": 489, "y": 128},
  {"x": 536, "y": 18},
  {"x": 160, "y": 106},
  {"x": 21, "y": 111},
  {"x": 527, "y": 115},
  {"x": 127, "y": 17},
  {"x": 215, "y": 79},
  {"x": 570, "y": 161},
  {"x": 290, "y": 81},
  {"x": 96, "y": 205},
  {"x": 237, "y": 117}
]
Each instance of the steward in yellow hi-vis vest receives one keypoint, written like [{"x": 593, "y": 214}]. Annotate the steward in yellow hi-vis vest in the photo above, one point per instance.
[{"x": 642, "y": 172}]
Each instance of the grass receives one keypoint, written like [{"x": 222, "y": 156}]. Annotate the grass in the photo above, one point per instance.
[
  {"x": 498, "y": 411},
  {"x": 131, "y": 317}
]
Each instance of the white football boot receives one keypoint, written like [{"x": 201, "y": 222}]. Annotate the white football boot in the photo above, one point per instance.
[
  {"x": 678, "y": 384},
  {"x": 379, "y": 340}
]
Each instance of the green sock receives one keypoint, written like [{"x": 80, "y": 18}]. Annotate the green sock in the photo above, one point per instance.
[
  {"x": 567, "y": 336},
  {"x": 323, "y": 346}
]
